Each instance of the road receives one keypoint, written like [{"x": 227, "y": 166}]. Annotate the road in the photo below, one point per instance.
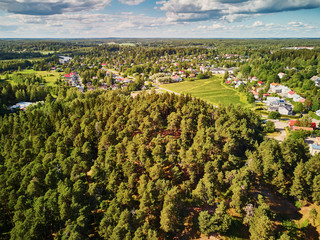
[{"x": 280, "y": 127}]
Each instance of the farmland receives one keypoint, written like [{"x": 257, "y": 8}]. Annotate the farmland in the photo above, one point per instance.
[{"x": 211, "y": 90}]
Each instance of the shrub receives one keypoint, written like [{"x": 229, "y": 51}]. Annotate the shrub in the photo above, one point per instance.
[{"x": 274, "y": 115}]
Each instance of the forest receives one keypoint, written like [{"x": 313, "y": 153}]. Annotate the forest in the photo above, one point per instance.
[{"x": 104, "y": 165}]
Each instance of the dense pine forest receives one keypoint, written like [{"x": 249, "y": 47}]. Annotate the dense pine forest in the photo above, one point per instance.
[{"x": 104, "y": 165}]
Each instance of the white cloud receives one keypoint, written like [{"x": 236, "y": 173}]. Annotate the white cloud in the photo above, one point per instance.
[
  {"x": 198, "y": 10},
  {"x": 51, "y": 7},
  {"x": 84, "y": 24},
  {"x": 217, "y": 26},
  {"x": 296, "y": 24},
  {"x": 257, "y": 24},
  {"x": 131, "y": 2}
]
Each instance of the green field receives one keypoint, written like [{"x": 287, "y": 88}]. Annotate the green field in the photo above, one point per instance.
[
  {"x": 211, "y": 90},
  {"x": 50, "y": 77}
]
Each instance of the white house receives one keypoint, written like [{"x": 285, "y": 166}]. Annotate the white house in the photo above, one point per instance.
[
  {"x": 272, "y": 101},
  {"x": 64, "y": 59},
  {"x": 281, "y": 75},
  {"x": 315, "y": 78},
  {"x": 285, "y": 110}
]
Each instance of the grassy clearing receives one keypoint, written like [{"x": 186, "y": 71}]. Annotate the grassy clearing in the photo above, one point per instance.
[
  {"x": 50, "y": 77},
  {"x": 47, "y": 52},
  {"x": 211, "y": 90},
  {"x": 273, "y": 135},
  {"x": 128, "y": 44}
]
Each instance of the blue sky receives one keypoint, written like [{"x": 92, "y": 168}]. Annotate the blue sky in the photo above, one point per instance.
[{"x": 169, "y": 19}]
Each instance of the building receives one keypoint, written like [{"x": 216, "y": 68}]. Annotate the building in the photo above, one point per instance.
[
  {"x": 272, "y": 101},
  {"x": 21, "y": 105},
  {"x": 295, "y": 127},
  {"x": 285, "y": 110},
  {"x": 64, "y": 59},
  {"x": 281, "y": 75},
  {"x": 315, "y": 147},
  {"x": 315, "y": 78}
]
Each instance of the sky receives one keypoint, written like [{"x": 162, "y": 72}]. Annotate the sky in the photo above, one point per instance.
[{"x": 160, "y": 19}]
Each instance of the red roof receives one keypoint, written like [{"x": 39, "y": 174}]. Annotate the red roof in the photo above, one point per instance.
[
  {"x": 228, "y": 82},
  {"x": 103, "y": 64},
  {"x": 67, "y": 75},
  {"x": 266, "y": 94},
  {"x": 291, "y": 92},
  {"x": 260, "y": 82},
  {"x": 292, "y": 122},
  {"x": 302, "y": 100}
]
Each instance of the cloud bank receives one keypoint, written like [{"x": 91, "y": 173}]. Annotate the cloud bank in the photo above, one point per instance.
[
  {"x": 199, "y": 10},
  {"x": 51, "y": 7}
]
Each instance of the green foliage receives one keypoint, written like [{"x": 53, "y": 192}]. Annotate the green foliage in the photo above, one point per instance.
[
  {"x": 219, "y": 222},
  {"x": 260, "y": 224},
  {"x": 274, "y": 115},
  {"x": 270, "y": 127}
]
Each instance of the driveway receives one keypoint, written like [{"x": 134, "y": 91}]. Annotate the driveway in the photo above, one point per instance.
[{"x": 280, "y": 127}]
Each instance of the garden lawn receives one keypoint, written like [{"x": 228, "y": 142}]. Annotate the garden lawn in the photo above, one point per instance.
[{"x": 211, "y": 90}]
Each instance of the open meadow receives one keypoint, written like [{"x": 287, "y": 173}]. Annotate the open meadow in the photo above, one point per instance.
[
  {"x": 50, "y": 77},
  {"x": 211, "y": 90}
]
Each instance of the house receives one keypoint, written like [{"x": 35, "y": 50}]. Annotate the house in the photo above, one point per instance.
[
  {"x": 177, "y": 78},
  {"x": 103, "y": 64},
  {"x": 64, "y": 59},
  {"x": 291, "y": 94},
  {"x": 281, "y": 90},
  {"x": 281, "y": 75},
  {"x": 21, "y": 105},
  {"x": 203, "y": 68},
  {"x": 115, "y": 87},
  {"x": 318, "y": 112},
  {"x": 315, "y": 78},
  {"x": 273, "y": 108},
  {"x": 296, "y": 98},
  {"x": 272, "y": 101},
  {"x": 315, "y": 147},
  {"x": 273, "y": 85},
  {"x": 255, "y": 94},
  {"x": 295, "y": 127},
  {"x": 285, "y": 109},
  {"x": 260, "y": 83},
  {"x": 239, "y": 83},
  {"x": 317, "y": 83}
]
